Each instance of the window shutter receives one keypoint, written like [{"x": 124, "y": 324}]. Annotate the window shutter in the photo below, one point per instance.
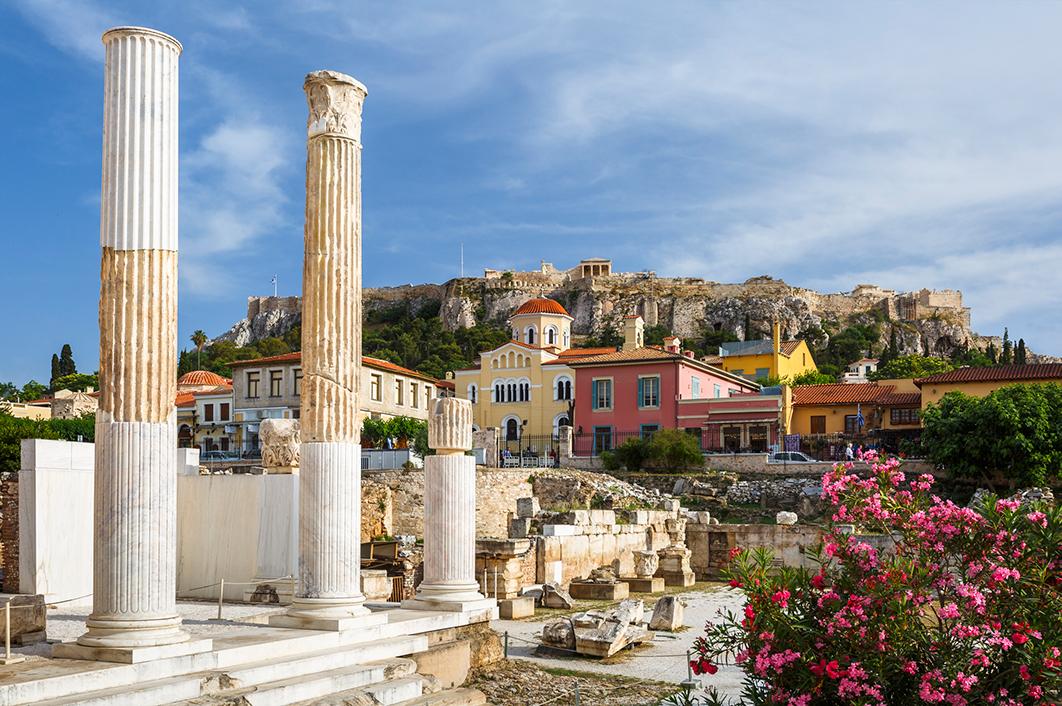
[
  {"x": 641, "y": 392},
  {"x": 593, "y": 394}
]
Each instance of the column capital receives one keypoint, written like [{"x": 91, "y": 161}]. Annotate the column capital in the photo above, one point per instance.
[
  {"x": 335, "y": 102},
  {"x": 450, "y": 425},
  {"x": 130, "y": 31}
]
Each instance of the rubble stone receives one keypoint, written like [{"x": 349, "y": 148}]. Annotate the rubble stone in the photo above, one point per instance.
[
  {"x": 667, "y": 614},
  {"x": 785, "y": 518}
]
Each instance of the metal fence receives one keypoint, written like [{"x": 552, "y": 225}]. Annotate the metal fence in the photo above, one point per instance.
[
  {"x": 832, "y": 447},
  {"x": 528, "y": 451},
  {"x": 384, "y": 459},
  {"x": 594, "y": 443}
]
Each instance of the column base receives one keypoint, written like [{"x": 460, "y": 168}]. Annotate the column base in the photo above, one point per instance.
[
  {"x": 452, "y": 599},
  {"x": 127, "y": 633},
  {"x": 332, "y": 614},
  {"x": 130, "y": 655}
]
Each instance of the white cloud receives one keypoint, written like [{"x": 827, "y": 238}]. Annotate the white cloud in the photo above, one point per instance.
[{"x": 70, "y": 25}]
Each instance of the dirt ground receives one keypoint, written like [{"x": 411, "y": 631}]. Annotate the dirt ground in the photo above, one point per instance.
[{"x": 518, "y": 682}]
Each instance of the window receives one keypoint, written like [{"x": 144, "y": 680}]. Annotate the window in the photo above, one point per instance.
[
  {"x": 525, "y": 392},
  {"x": 224, "y": 415},
  {"x": 472, "y": 393},
  {"x": 375, "y": 387},
  {"x": 499, "y": 392},
  {"x": 564, "y": 388},
  {"x": 602, "y": 439},
  {"x": 208, "y": 413},
  {"x": 551, "y": 336},
  {"x": 866, "y": 371},
  {"x": 510, "y": 392},
  {"x": 903, "y": 416},
  {"x": 695, "y": 387},
  {"x": 649, "y": 429},
  {"x": 414, "y": 391},
  {"x": 718, "y": 391},
  {"x": 738, "y": 371},
  {"x": 252, "y": 384},
  {"x": 276, "y": 383},
  {"x": 818, "y": 424},
  {"x": 297, "y": 381},
  {"x": 429, "y": 393},
  {"x": 851, "y": 424},
  {"x": 512, "y": 430},
  {"x": 763, "y": 373},
  {"x": 531, "y": 336},
  {"x": 601, "y": 396},
  {"x": 758, "y": 438},
  {"x": 567, "y": 340},
  {"x": 399, "y": 391},
  {"x": 649, "y": 392},
  {"x": 732, "y": 438},
  {"x": 224, "y": 443}
]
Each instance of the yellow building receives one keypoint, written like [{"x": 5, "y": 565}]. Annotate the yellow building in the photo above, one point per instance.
[
  {"x": 979, "y": 382},
  {"x": 767, "y": 358},
  {"x": 835, "y": 408},
  {"x": 524, "y": 387}
]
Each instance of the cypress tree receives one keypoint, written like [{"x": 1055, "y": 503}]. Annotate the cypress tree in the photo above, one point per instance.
[
  {"x": 1019, "y": 352},
  {"x": 66, "y": 361},
  {"x": 55, "y": 370},
  {"x": 1007, "y": 356},
  {"x": 991, "y": 353}
]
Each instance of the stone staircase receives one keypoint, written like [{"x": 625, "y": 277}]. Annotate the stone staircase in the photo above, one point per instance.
[{"x": 262, "y": 667}]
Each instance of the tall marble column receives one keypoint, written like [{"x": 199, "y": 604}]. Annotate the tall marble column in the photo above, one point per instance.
[
  {"x": 135, "y": 547},
  {"x": 329, "y": 595},
  {"x": 450, "y": 513}
]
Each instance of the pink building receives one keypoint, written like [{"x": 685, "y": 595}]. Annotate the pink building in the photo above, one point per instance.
[{"x": 640, "y": 389}]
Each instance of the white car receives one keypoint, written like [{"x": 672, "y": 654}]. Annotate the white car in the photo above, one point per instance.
[{"x": 790, "y": 457}]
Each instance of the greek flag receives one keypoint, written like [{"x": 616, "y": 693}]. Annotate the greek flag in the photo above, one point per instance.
[{"x": 860, "y": 421}]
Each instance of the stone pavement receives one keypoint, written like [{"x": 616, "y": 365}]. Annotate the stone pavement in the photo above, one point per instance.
[{"x": 664, "y": 659}]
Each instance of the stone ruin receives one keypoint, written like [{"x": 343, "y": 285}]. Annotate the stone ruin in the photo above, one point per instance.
[{"x": 600, "y": 633}]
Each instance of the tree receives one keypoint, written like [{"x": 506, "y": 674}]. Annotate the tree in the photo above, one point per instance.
[
  {"x": 992, "y": 353},
  {"x": 78, "y": 382},
  {"x": 8, "y": 391},
  {"x": 1020, "y": 353},
  {"x": 1014, "y": 433},
  {"x": 891, "y": 352},
  {"x": 66, "y": 361},
  {"x": 654, "y": 335},
  {"x": 911, "y": 366},
  {"x": 811, "y": 377},
  {"x": 1006, "y": 357},
  {"x": 271, "y": 346},
  {"x": 199, "y": 339},
  {"x": 609, "y": 338},
  {"x": 55, "y": 368},
  {"x": 33, "y": 390}
]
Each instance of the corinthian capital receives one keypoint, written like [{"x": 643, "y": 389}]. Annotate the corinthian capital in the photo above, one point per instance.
[{"x": 335, "y": 102}]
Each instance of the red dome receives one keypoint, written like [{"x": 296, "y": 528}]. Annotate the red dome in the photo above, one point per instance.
[
  {"x": 541, "y": 306},
  {"x": 202, "y": 377}
]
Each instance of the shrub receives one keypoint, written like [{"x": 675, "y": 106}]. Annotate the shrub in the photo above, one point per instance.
[
  {"x": 631, "y": 454},
  {"x": 673, "y": 449},
  {"x": 963, "y": 607}
]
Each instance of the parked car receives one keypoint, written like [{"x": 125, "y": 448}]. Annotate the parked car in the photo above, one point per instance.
[{"x": 790, "y": 457}]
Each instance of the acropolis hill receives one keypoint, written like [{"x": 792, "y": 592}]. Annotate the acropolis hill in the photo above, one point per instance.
[{"x": 926, "y": 321}]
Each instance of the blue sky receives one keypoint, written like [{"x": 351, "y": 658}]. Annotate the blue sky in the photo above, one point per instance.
[{"x": 903, "y": 144}]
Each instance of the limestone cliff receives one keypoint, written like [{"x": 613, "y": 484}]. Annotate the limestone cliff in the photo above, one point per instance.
[{"x": 931, "y": 322}]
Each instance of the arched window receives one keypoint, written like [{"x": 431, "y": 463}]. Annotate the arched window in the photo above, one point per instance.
[
  {"x": 512, "y": 392},
  {"x": 567, "y": 339},
  {"x": 472, "y": 390},
  {"x": 525, "y": 391},
  {"x": 551, "y": 336},
  {"x": 563, "y": 388},
  {"x": 531, "y": 335},
  {"x": 499, "y": 392},
  {"x": 512, "y": 430},
  {"x": 561, "y": 420}
]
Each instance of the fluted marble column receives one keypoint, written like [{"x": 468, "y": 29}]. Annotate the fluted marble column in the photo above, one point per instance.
[
  {"x": 330, "y": 476},
  {"x": 450, "y": 513},
  {"x": 135, "y": 547}
]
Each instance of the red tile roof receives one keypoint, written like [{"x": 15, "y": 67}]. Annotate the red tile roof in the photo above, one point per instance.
[
  {"x": 585, "y": 352},
  {"x": 541, "y": 306},
  {"x": 202, "y": 377},
  {"x": 185, "y": 399},
  {"x": 999, "y": 373},
  {"x": 841, "y": 394},
  {"x": 901, "y": 399},
  {"x": 282, "y": 358},
  {"x": 789, "y": 347},
  {"x": 367, "y": 360}
]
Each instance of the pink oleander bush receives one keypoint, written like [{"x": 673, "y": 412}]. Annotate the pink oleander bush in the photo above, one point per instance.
[{"x": 928, "y": 603}]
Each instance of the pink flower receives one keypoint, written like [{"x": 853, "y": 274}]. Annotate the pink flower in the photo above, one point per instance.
[
  {"x": 1037, "y": 518},
  {"x": 949, "y": 612},
  {"x": 781, "y": 598}
]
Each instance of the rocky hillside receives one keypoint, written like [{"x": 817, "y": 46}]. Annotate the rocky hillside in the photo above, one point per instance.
[{"x": 925, "y": 322}]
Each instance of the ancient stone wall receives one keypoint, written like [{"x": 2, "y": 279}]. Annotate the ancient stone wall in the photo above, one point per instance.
[
  {"x": 377, "y": 510},
  {"x": 496, "y": 494},
  {"x": 9, "y": 531}
]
